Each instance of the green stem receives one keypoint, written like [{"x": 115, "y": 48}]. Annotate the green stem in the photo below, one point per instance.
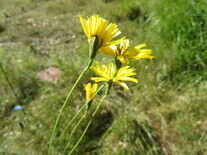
[
  {"x": 118, "y": 66},
  {"x": 92, "y": 54},
  {"x": 64, "y": 104},
  {"x": 94, "y": 113},
  {"x": 85, "y": 104},
  {"x": 74, "y": 131},
  {"x": 7, "y": 78}
]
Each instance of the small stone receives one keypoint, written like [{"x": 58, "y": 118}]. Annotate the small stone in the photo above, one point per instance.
[{"x": 50, "y": 74}]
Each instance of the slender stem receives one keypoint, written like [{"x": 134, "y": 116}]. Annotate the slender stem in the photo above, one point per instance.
[
  {"x": 94, "y": 113},
  {"x": 80, "y": 118},
  {"x": 7, "y": 78},
  {"x": 85, "y": 104},
  {"x": 74, "y": 129},
  {"x": 92, "y": 54},
  {"x": 63, "y": 106},
  {"x": 118, "y": 66},
  {"x": 89, "y": 123}
]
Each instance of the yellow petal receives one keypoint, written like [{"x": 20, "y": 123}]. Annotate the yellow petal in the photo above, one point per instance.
[
  {"x": 143, "y": 56},
  {"x": 132, "y": 52},
  {"x": 140, "y": 46},
  {"x": 84, "y": 25},
  {"x": 94, "y": 87},
  {"x": 98, "y": 79},
  {"x": 122, "y": 84},
  {"x": 109, "y": 50},
  {"x": 129, "y": 79},
  {"x": 90, "y": 90},
  {"x": 101, "y": 28},
  {"x": 114, "y": 42},
  {"x": 146, "y": 51}
]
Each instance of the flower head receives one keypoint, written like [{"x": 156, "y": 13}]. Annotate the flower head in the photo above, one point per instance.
[
  {"x": 122, "y": 52},
  {"x": 96, "y": 26},
  {"x": 90, "y": 90},
  {"x": 108, "y": 74}
]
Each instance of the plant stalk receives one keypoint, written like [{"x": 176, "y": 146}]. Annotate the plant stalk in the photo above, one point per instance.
[{"x": 94, "y": 113}]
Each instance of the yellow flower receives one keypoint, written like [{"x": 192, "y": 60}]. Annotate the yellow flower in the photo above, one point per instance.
[
  {"x": 90, "y": 90},
  {"x": 96, "y": 26},
  {"x": 107, "y": 74},
  {"x": 123, "y": 53}
]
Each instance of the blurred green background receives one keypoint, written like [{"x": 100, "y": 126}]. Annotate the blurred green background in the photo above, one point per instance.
[{"x": 43, "y": 50}]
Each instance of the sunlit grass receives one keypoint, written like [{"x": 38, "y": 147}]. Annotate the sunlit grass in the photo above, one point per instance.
[{"x": 166, "y": 111}]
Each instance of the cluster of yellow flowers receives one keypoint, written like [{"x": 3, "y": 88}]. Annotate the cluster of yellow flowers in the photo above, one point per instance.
[{"x": 100, "y": 34}]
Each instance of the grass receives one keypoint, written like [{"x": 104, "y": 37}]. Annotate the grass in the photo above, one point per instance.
[{"x": 165, "y": 113}]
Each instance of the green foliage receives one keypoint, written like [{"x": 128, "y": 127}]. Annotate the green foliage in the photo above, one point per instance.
[
  {"x": 184, "y": 24},
  {"x": 165, "y": 113}
]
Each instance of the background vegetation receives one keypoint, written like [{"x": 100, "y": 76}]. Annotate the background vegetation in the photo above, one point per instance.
[{"x": 165, "y": 113}]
